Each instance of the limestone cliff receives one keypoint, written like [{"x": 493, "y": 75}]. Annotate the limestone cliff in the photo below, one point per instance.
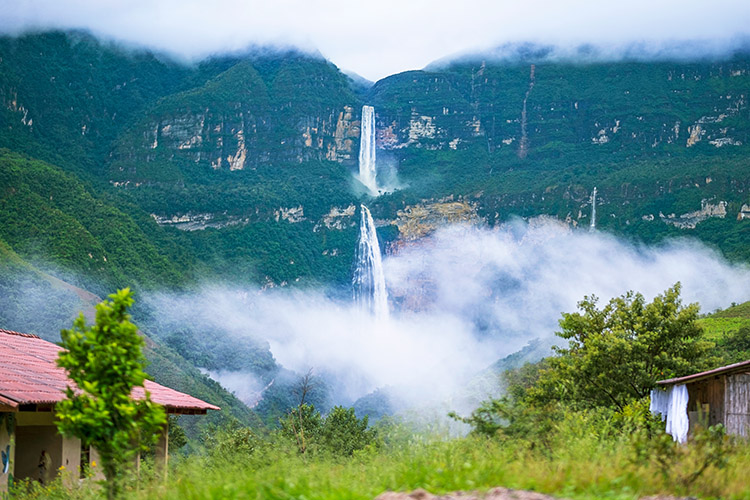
[
  {"x": 416, "y": 221},
  {"x": 610, "y": 106},
  {"x": 244, "y": 118},
  {"x": 691, "y": 219}
]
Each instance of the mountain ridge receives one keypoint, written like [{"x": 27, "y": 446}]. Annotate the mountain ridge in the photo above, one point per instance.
[{"x": 124, "y": 169}]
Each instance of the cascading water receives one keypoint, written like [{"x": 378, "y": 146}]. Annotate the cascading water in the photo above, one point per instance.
[
  {"x": 369, "y": 279},
  {"x": 367, "y": 169},
  {"x": 593, "y": 210}
]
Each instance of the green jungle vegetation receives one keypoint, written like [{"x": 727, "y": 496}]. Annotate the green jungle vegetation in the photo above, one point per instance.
[
  {"x": 96, "y": 142},
  {"x": 554, "y": 432},
  {"x": 97, "y": 133},
  {"x": 143, "y": 135}
]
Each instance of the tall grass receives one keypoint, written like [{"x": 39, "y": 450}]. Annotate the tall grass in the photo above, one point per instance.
[{"x": 588, "y": 456}]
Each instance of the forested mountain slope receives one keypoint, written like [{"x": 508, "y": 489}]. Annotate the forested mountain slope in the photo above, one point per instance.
[
  {"x": 254, "y": 153},
  {"x": 121, "y": 167}
]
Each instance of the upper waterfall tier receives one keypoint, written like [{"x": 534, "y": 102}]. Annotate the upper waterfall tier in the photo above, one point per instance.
[{"x": 367, "y": 165}]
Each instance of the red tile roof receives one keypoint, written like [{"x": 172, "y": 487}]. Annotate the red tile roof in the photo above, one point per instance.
[{"x": 29, "y": 375}]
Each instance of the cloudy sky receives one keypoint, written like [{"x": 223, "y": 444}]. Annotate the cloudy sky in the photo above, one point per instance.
[{"x": 382, "y": 37}]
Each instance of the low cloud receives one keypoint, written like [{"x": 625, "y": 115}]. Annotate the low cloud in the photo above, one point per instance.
[
  {"x": 243, "y": 384},
  {"x": 460, "y": 300},
  {"x": 376, "y": 39}
]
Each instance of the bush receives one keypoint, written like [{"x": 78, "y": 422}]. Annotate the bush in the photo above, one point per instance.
[
  {"x": 230, "y": 441},
  {"x": 343, "y": 433},
  {"x": 340, "y": 433},
  {"x": 707, "y": 455}
]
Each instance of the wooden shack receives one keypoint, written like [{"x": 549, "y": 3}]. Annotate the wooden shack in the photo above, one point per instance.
[{"x": 718, "y": 396}]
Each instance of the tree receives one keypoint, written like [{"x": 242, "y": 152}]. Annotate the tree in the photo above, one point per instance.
[
  {"x": 343, "y": 433},
  {"x": 734, "y": 346},
  {"x": 304, "y": 422},
  {"x": 340, "y": 432},
  {"x": 105, "y": 361},
  {"x": 616, "y": 354}
]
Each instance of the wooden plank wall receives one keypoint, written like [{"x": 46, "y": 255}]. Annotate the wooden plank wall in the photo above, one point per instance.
[
  {"x": 710, "y": 394},
  {"x": 737, "y": 408}
]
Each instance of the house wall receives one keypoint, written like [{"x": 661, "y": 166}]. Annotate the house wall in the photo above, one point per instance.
[
  {"x": 737, "y": 417},
  {"x": 71, "y": 459},
  {"x": 36, "y": 432},
  {"x": 95, "y": 462},
  {"x": 31, "y": 440},
  {"x": 706, "y": 395},
  {"x": 8, "y": 448}
]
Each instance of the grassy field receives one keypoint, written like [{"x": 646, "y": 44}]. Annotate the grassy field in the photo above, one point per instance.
[
  {"x": 726, "y": 323},
  {"x": 719, "y": 327},
  {"x": 584, "y": 457}
]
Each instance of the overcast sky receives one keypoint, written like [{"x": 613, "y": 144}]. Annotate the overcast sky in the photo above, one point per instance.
[{"x": 382, "y": 37}]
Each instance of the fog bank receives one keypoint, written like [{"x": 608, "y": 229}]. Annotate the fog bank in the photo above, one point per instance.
[
  {"x": 460, "y": 300},
  {"x": 377, "y": 39}
]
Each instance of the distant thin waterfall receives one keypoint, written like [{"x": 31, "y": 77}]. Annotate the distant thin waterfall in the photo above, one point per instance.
[
  {"x": 593, "y": 210},
  {"x": 369, "y": 280},
  {"x": 367, "y": 169}
]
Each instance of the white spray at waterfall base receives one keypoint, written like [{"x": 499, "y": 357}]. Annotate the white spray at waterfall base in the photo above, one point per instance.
[{"x": 474, "y": 296}]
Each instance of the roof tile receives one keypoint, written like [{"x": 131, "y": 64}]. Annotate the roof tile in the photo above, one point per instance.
[{"x": 29, "y": 375}]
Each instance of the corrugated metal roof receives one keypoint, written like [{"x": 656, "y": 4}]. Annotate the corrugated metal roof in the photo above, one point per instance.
[
  {"x": 29, "y": 375},
  {"x": 736, "y": 367}
]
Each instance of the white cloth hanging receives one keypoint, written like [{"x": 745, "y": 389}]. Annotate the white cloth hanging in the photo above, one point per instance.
[
  {"x": 660, "y": 402},
  {"x": 677, "y": 419},
  {"x": 671, "y": 405}
]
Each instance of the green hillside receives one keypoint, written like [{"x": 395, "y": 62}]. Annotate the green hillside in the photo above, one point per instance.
[
  {"x": 729, "y": 329},
  {"x": 125, "y": 168},
  {"x": 727, "y": 322},
  {"x": 66, "y": 96},
  {"x": 36, "y": 302},
  {"x": 51, "y": 218},
  {"x": 253, "y": 155}
]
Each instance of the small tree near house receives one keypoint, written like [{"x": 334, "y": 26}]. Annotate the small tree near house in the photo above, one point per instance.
[{"x": 105, "y": 361}]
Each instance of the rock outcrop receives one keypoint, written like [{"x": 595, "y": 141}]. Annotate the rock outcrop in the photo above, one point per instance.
[
  {"x": 417, "y": 221},
  {"x": 691, "y": 219},
  {"x": 199, "y": 221},
  {"x": 339, "y": 218}
]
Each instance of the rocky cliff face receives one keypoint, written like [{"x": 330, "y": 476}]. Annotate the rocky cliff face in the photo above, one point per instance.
[
  {"x": 301, "y": 111},
  {"x": 261, "y": 147},
  {"x": 532, "y": 107},
  {"x": 691, "y": 219},
  {"x": 417, "y": 221}
]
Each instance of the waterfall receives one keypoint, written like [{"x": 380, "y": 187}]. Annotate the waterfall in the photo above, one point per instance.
[
  {"x": 593, "y": 210},
  {"x": 367, "y": 169},
  {"x": 369, "y": 280}
]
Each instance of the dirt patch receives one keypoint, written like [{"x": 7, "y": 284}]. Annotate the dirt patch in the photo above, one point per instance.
[
  {"x": 667, "y": 497},
  {"x": 494, "y": 494}
]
